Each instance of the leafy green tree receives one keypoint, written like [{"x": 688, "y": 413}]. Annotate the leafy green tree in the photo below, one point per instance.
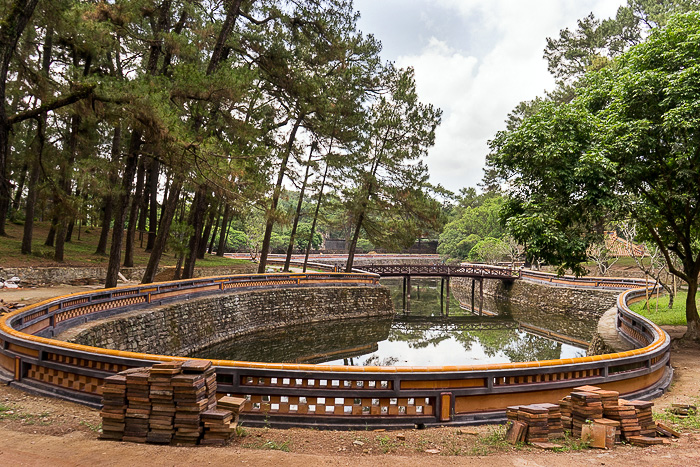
[
  {"x": 390, "y": 203},
  {"x": 478, "y": 219},
  {"x": 626, "y": 146},
  {"x": 489, "y": 250}
]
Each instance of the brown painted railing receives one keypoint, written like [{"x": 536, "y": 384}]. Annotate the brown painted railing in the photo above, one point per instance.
[
  {"x": 321, "y": 395},
  {"x": 427, "y": 270}
]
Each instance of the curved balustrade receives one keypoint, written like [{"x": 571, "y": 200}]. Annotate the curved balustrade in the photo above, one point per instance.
[
  {"x": 321, "y": 395},
  {"x": 586, "y": 282}
]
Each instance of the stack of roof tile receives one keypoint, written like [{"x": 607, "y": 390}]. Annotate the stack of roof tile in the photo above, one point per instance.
[
  {"x": 138, "y": 409},
  {"x": 160, "y": 423},
  {"x": 114, "y": 407},
  {"x": 536, "y": 418},
  {"x": 585, "y": 407},
  {"x": 627, "y": 416}
]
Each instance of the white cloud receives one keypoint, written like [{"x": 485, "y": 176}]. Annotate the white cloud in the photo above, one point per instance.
[{"x": 477, "y": 92}]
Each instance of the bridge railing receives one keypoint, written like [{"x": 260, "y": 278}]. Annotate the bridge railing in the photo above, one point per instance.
[
  {"x": 464, "y": 270},
  {"x": 334, "y": 396}
]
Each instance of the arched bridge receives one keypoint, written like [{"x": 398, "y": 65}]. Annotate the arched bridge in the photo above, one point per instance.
[{"x": 476, "y": 271}]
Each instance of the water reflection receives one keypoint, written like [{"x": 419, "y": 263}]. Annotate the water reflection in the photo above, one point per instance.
[{"x": 425, "y": 335}]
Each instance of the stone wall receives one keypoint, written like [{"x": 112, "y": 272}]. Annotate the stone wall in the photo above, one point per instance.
[
  {"x": 40, "y": 276},
  {"x": 542, "y": 296},
  {"x": 185, "y": 327}
]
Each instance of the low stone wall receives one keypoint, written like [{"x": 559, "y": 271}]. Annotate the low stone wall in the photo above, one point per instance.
[
  {"x": 588, "y": 302},
  {"x": 183, "y": 328},
  {"x": 40, "y": 276}
]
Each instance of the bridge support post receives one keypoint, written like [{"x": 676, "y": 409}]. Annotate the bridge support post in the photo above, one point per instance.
[
  {"x": 473, "y": 287},
  {"x": 403, "y": 293},
  {"x": 447, "y": 301},
  {"x": 442, "y": 294},
  {"x": 481, "y": 296}
]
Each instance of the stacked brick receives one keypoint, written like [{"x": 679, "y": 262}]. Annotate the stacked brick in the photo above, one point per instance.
[
  {"x": 535, "y": 416},
  {"x": 160, "y": 422},
  {"x": 169, "y": 403},
  {"x": 565, "y": 408},
  {"x": 554, "y": 422},
  {"x": 597, "y": 415},
  {"x": 114, "y": 407},
  {"x": 644, "y": 416},
  {"x": 585, "y": 407},
  {"x": 138, "y": 409}
]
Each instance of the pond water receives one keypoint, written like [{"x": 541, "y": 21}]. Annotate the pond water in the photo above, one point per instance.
[{"x": 422, "y": 335}]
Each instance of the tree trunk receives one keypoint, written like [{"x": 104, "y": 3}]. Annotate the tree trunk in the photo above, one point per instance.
[
  {"x": 15, "y": 19},
  {"x": 109, "y": 199},
  {"x": 313, "y": 223},
  {"x": 270, "y": 221},
  {"x": 353, "y": 242},
  {"x": 297, "y": 214},
  {"x": 216, "y": 230},
  {"x": 143, "y": 205},
  {"x": 224, "y": 231},
  {"x": 133, "y": 215},
  {"x": 123, "y": 201},
  {"x": 691, "y": 310},
  {"x": 19, "y": 189},
  {"x": 202, "y": 248},
  {"x": 153, "y": 215},
  {"x": 160, "y": 242},
  {"x": 198, "y": 210}
]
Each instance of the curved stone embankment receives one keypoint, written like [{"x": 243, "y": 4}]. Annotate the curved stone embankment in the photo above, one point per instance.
[
  {"x": 41, "y": 276},
  {"x": 556, "y": 299},
  {"x": 185, "y": 327}
]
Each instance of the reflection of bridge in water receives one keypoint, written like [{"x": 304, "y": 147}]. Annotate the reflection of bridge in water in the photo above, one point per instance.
[{"x": 444, "y": 272}]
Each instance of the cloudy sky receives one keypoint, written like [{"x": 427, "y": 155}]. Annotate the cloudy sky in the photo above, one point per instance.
[{"x": 476, "y": 60}]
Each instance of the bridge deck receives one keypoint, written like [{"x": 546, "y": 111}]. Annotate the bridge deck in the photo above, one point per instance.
[{"x": 442, "y": 270}]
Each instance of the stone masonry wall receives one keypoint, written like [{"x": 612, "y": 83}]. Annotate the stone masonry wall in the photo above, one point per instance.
[
  {"x": 82, "y": 275},
  {"x": 543, "y": 296},
  {"x": 184, "y": 327}
]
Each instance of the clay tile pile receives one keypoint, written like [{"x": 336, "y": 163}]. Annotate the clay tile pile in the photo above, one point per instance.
[
  {"x": 169, "y": 403},
  {"x": 598, "y": 416}
]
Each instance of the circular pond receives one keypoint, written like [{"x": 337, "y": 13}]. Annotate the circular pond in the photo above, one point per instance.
[{"x": 426, "y": 334}]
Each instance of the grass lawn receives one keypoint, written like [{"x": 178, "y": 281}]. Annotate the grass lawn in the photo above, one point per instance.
[
  {"x": 665, "y": 316},
  {"x": 81, "y": 252}
]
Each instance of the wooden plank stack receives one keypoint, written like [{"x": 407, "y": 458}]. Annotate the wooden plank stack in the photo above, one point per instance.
[
  {"x": 169, "y": 403},
  {"x": 114, "y": 407},
  {"x": 536, "y": 417},
  {"x": 585, "y": 407}
]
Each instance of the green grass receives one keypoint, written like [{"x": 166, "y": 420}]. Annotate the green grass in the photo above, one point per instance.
[
  {"x": 690, "y": 422},
  {"x": 665, "y": 316},
  {"x": 269, "y": 444},
  {"x": 81, "y": 252}
]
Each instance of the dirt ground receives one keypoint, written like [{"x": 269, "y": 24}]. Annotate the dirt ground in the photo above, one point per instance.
[{"x": 42, "y": 431}]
